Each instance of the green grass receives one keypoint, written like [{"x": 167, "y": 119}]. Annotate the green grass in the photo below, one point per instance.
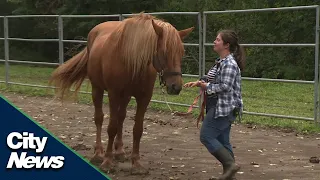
[{"x": 264, "y": 97}]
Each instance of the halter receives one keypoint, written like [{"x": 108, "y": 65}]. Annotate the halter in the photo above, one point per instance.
[{"x": 163, "y": 74}]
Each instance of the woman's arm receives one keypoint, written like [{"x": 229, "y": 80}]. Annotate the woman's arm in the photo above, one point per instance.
[{"x": 228, "y": 74}]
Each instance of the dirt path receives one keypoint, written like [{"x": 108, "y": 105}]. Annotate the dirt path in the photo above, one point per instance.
[{"x": 170, "y": 145}]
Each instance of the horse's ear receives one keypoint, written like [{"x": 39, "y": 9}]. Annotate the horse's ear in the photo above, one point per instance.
[
  {"x": 157, "y": 28},
  {"x": 184, "y": 33}
]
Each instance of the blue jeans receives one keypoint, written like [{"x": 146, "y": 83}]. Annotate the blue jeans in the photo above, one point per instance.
[{"x": 215, "y": 132}]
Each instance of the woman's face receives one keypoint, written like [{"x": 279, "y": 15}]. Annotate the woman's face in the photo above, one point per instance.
[{"x": 219, "y": 45}]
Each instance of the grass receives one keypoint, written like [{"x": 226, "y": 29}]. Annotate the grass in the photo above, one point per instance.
[{"x": 264, "y": 97}]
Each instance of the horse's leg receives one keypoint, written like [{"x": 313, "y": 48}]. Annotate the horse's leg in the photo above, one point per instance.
[
  {"x": 97, "y": 97},
  {"x": 114, "y": 105},
  {"x": 142, "y": 104},
  {"x": 118, "y": 143}
]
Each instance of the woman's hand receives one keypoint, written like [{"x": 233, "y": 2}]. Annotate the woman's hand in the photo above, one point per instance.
[
  {"x": 201, "y": 84},
  {"x": 191, "y": 84}
]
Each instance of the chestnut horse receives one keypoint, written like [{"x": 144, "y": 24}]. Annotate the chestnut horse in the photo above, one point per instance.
[{"x": 123, "y": 58}]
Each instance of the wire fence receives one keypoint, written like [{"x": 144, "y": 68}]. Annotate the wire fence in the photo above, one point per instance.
[{"x": 202, "y": 44}]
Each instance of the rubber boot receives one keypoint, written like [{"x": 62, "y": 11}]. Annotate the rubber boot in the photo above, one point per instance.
[
  {"x": 228, "y": 163},
  {"x": 233, "y": 177},
  {"x": 224, "y": 171},
  {"x": 224, "y": 168}
]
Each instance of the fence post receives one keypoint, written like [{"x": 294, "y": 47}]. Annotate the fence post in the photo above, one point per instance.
[
  {"x": 200, "y": 44},
  {"x": 316, "y": 59},
  {"x": 60, "y": 33},
  {"x": 204, "y": 34},
  {"x": 202, "y": 60},
  {"x": 6, "y": 48},
  {"x": 120, "y": 17},
  {"x": 200, "y": 54}
]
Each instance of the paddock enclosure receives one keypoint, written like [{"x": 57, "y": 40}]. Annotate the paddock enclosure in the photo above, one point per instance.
[
  {"x": 170, "y": 144},
  {"x": 199, "y": 49}
]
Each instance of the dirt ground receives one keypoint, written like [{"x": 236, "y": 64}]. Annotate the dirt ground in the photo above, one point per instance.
[{"x": 170, "y": 145}]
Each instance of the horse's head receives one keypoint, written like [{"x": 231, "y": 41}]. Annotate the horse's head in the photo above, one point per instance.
[{"x": 168, "y": 56}]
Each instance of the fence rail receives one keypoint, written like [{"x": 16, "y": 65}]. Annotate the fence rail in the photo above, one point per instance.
[
  {"x": 273, "y": 45},
  {"x": 201, "y": 23},
  {"x": 262, "y": 10}
]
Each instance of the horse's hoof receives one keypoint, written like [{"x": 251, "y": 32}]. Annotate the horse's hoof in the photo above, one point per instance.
[
  {"x": 108, "y": 166},
  {"x": 121, "y": 157},
  {"x": 214, "y": 178},
  {"x": 139, "y": 171},
  {"x": 98, "y": 155},
  {"x": 218, "y": 178},
  {"x": 97, "y": 159}
]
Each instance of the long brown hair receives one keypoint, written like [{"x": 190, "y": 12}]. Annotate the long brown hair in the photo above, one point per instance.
[{"x": 231, "y": 37}]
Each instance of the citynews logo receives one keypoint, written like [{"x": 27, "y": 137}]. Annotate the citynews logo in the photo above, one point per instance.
[{"x": 26, "y": 141}]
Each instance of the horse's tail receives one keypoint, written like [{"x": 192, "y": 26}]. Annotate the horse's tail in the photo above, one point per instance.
[{"x": 73, "y": 72}]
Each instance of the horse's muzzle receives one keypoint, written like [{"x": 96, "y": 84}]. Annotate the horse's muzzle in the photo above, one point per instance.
[{"x": 174, "y": 89}]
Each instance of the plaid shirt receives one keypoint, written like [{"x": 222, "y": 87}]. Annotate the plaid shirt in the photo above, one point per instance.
[{"x": 226, "y": 85}]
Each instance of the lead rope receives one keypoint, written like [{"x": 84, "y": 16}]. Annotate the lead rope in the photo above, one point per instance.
[
  {"x": 162, "y": 89},
  {"x": 202, "y": 107},
  {"x": 165, "y": 98}
]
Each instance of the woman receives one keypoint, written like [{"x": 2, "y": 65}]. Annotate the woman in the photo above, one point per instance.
[{"x": 222, "y": 85}]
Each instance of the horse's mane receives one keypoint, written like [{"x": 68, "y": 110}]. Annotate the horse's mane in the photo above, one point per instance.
[{"x": 136, "y": 42}]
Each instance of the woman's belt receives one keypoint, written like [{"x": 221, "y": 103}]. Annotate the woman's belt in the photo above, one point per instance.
[{"x": 212, "y": 95}]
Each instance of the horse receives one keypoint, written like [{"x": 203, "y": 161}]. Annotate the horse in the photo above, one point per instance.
[{"x": 124, "y": 58}]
